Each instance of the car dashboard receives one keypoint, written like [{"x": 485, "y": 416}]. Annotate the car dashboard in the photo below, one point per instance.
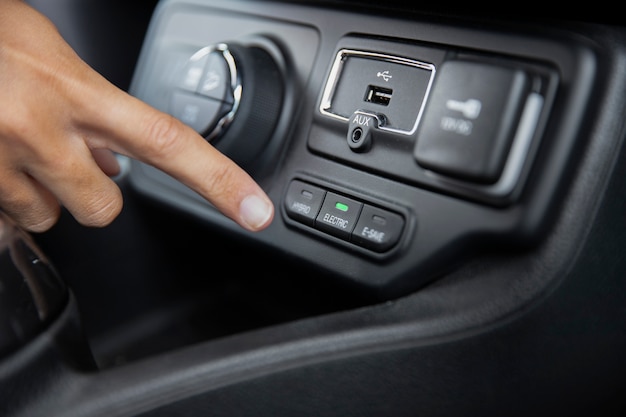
[{"x": 449, "y": 192}]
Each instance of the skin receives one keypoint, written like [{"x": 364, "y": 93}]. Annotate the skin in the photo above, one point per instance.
[{"x": 61, "y": 121}]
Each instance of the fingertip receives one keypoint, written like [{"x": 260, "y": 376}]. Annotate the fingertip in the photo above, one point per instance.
[{"x": 256, "y": 212}]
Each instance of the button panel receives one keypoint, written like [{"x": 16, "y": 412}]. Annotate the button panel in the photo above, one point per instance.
[{"x": 347, "y": 218}]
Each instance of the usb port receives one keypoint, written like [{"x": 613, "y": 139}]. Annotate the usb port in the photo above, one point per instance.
[{"x": 378, "y": 95}]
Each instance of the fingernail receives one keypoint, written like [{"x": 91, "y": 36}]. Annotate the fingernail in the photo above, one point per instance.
[{"x": 255, "y": 211}]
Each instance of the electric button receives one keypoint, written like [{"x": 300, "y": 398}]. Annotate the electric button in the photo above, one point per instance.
[
  {"x": 469, "y": 124},
  {"x": 377, "y": 229},
  {"x": 338, "y": 215},
  {"x": 303, "y": 201},
  {"x": 196, "y": 111}
]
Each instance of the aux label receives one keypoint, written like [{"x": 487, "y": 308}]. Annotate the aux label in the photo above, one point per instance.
[{"x": 361, "y": 120}]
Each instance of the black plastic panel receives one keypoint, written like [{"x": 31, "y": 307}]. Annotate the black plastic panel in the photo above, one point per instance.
[{"x": 455, "y": 215}]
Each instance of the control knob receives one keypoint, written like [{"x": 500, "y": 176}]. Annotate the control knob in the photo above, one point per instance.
[{"x": 231, "y": 94}]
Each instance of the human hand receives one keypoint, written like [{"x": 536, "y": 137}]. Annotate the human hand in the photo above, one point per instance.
[{"x": 61, "y": 121}]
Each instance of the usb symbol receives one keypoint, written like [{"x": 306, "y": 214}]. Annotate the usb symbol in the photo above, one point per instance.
[{"x": 384, "y": 75}]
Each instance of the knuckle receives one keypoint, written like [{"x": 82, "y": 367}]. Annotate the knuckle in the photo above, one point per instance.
[
  {"x": 218, "y": 177},
  {"x": 52, "y": 161},
  {"x": 218, "y": 182},
  {"x": 18, "y": 132},
  {"x": 166, "y": 134}
]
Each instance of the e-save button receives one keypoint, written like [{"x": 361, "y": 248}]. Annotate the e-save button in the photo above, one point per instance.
[
  {"x": 377, "y": 229},
  {"x": 338, "y": 215}
]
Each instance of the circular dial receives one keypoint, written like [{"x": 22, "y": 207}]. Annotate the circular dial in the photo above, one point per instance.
[{"x": 232, "y": 95}]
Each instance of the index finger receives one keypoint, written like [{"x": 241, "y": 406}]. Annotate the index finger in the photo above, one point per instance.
[{"x": 144, "y": 133}]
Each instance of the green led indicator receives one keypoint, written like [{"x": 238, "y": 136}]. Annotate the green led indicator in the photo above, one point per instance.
[{"x": 341, "y": 206}]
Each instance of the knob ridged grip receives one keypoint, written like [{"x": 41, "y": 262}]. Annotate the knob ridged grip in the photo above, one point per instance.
[{"x": 262, "y": 91}]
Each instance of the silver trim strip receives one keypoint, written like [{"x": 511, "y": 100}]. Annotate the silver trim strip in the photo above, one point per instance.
[
  {"x": 234, "y": 86},
  {"x": 337, "y": 67},
  {"x": 235, "y": 89}
]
